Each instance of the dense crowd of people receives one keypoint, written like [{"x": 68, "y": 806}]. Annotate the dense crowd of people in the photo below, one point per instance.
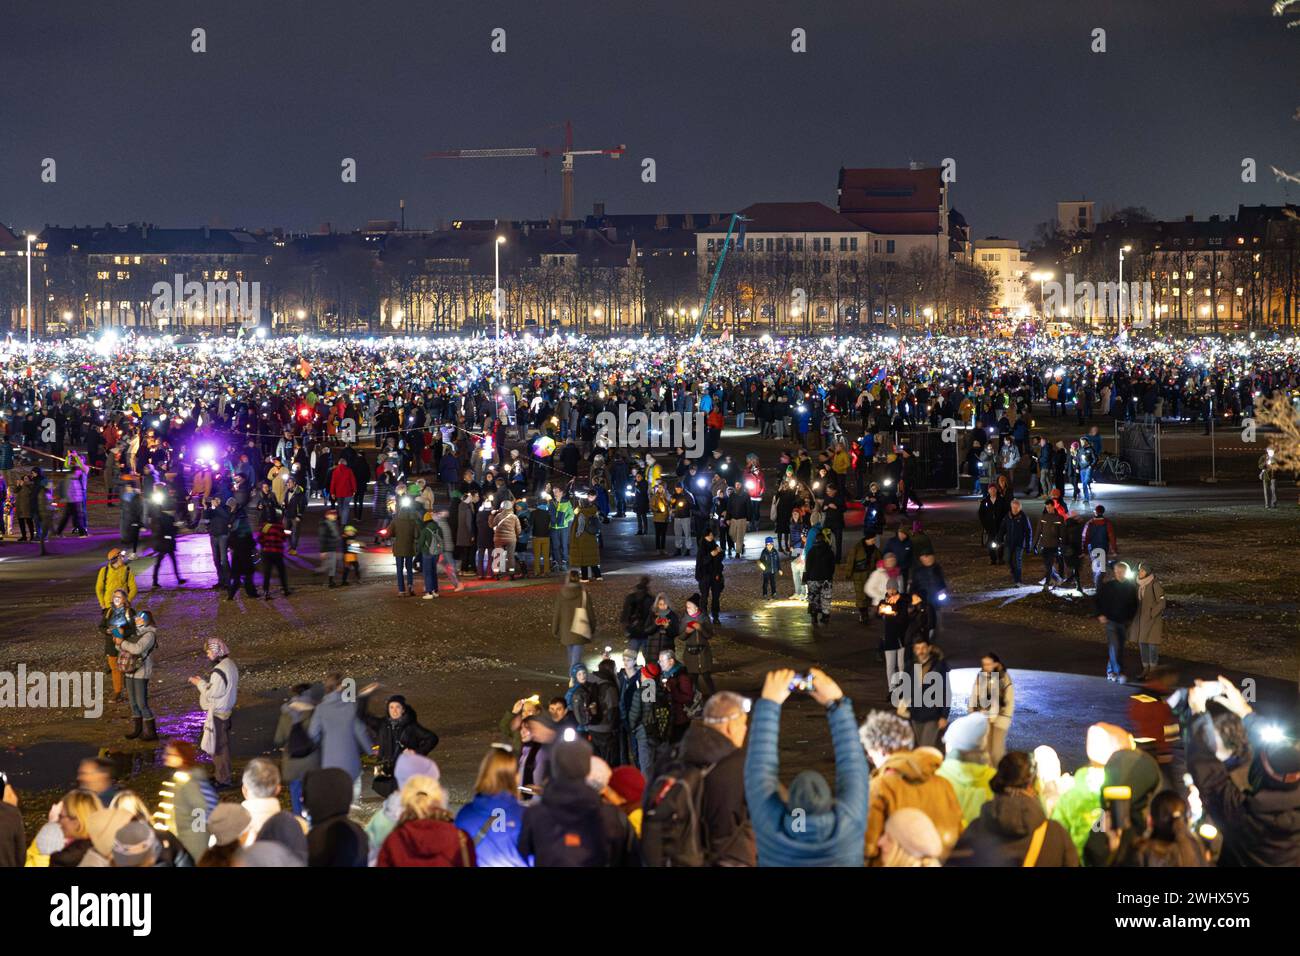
[{"x": 464, "y": 467}]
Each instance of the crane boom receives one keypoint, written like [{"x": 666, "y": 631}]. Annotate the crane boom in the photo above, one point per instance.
[
  {"x": 566, "y": 152},
  {"x": 485, "y": 153}
]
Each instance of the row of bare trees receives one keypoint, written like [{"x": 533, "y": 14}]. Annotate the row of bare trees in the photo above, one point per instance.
[{"x": 345, "y": 288}]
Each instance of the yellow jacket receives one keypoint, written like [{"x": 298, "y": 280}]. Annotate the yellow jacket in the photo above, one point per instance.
[{"x": 110, "y": 579}]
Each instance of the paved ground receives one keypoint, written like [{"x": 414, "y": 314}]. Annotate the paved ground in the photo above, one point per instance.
[{"x": 463, "y": 659}]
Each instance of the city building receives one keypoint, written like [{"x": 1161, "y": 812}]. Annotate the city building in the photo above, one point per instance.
[
  {"x": 1076, "y": 216},
  {"x": 905, "y": 210},
  {"x": 1009, "y": 268},
  {"x": 1221, "y": 274}
]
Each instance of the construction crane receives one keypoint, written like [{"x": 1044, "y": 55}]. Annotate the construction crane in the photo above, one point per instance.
[
  {"x": 736, "y": 220},
  {"x": 567, "y": 152}
]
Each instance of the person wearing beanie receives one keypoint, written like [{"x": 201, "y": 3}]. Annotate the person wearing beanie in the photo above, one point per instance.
[
  {"x": 400, "y": 733},
  {"x": 569, "y": 825},
  {"x": 286, "y": 830},
  {"x": 769, "y": 563},
  {"x": 1139, "y": 772},
  {"x": 814, "y": 826},
  {"x": 1260, "y": 824},
  {"x": 650, "y": 718},
  {"x": 661, "y": 627},
  {"x": 333, "y": 839},
  {"x": 624, "y": 790},
  {"x": 269, "y": 854},
  {"x": 409, "y": 764},
  {"x": 966, "y": 764},
  {"x": 605, "y": 726},
  {"x": 226, "y": 827},
  {"x": 49, "y": 840},
  {"x": 696, "y": 652},
  {"x": 1080, "y": 806},
  {"x": 136, "y": 844},
  {"x": 910, "y": 839},
  {"x": 1011, "y": 829},
  {"x": 102, "y": 827}
]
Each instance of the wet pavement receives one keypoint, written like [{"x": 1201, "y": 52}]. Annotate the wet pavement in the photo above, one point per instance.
[{"x": 463, "y": 659}]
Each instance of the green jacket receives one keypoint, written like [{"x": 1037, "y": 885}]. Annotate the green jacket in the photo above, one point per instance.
[
  {"x": 430, "y": 541},
  {"x": 562, "y": 515},
  {"x": 970, "y": 781},
  {"x": 1080, "y": 806}
]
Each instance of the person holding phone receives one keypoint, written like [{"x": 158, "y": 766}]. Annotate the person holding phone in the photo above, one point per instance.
[{"x": 832, "y": 823}]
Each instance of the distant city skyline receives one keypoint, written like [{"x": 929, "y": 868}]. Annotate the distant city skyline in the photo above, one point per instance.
[{"x": 252, "y": 132}]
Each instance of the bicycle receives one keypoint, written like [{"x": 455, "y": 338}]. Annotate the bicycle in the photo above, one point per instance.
[{"x": 1115, "y": 466}]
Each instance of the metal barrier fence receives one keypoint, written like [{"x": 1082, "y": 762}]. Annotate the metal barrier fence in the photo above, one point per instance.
[
  {"x": 936, "y": 465},
  {"x": 1138, "y": 443}
]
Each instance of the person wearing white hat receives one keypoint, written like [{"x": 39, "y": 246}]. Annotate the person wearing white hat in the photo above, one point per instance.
[
  {"x": 966, "y": 764},
  {"x": 910, "y": 839}
]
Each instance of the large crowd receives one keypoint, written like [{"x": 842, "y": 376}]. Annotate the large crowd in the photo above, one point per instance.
[{"x": 464, "y": 464}]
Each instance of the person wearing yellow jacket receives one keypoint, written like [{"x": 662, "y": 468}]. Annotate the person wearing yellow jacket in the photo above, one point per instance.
[{"x": 112, "y": 576}]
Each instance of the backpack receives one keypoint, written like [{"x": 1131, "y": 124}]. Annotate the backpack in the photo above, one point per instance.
[
  {"x": 435, "y": 540},
  {"x": 656, "y": 714},
  {"x": 585, "y": 525},
  {"x": 584, "y": 705},
  {"x": 594, "y": 706},
  {"x": 300, "y": 744},
  {"x": 671, "y": 834}
]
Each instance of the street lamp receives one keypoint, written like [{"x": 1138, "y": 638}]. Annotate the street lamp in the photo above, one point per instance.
[
  {"x": 30, "y": 240},
  {"x": 1042, "y": 278},
  {"x": 1120, "y": 304},
  {"x": 496, "y": 290}
]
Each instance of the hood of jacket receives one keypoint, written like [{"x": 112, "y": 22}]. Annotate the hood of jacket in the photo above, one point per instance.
[
  {"x": 1012, "y": 816},
  {"x": 966, "y": 773},
  {"x": 915, "y": 766},
  {"x": 429, "y": 839},
  {"x": 571, "y": 803},
  {"x": 703, "y": 745},
  {"x": 326, "y": 794}
]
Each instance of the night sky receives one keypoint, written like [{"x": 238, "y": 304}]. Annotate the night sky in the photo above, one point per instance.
[{"x": 252, "y": 132}]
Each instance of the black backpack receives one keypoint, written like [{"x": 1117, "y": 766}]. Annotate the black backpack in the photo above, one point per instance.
[
  {"x": 300, "y": 744},
  {"x": 671, "y": 831},
  {"x": 585, "y": 705},
  {"x": 656, "y": 712}
]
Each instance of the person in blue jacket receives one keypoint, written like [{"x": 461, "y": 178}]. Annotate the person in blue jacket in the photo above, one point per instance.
[
  {"x": 493, "y": 818},
  {"x": 813, "y": 827}
]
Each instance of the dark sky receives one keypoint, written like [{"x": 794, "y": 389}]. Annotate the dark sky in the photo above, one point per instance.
[{"x": 252, "y": 132}]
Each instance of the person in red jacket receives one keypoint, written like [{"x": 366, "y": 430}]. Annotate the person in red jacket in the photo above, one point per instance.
[
  {"x": 681, "y": 692},
  {"x": 1154, "y": 726},
  {"x": 343, "y": 488},
  {"x": 426, "y": 834}
]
